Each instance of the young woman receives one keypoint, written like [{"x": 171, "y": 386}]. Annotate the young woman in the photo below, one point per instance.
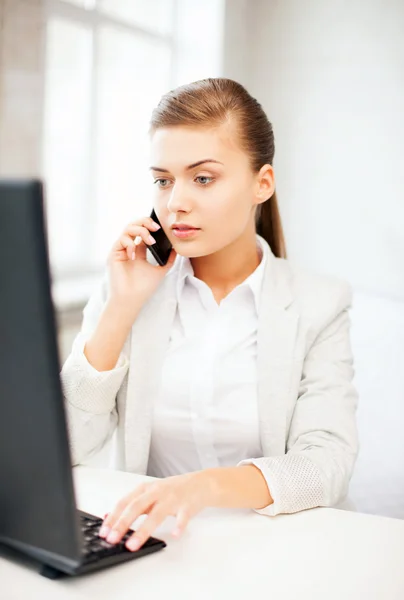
[{"x": 227, "y": 373}]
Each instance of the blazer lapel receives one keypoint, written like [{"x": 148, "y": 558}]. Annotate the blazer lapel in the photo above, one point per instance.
[
  {"x": 149, "y": 342},
  {"x": 277, "y": 332}
]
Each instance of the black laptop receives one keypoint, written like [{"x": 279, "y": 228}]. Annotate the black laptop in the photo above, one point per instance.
[{"x": 38, "y": 514}]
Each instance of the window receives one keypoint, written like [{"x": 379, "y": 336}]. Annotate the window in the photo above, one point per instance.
[{"x": 107, "y": 64}]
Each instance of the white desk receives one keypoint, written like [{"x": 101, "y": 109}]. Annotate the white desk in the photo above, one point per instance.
[{"x": 319, "y": 554}]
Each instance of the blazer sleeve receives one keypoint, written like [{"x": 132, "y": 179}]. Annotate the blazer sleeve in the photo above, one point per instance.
[
  {"x": 322, "y": 445},
  {"x": 90, "y": 395}
]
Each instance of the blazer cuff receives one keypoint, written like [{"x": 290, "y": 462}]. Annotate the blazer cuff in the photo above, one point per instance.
[
  {"x": 88, "y": 389},
  {"x": 293, "y": 480}
]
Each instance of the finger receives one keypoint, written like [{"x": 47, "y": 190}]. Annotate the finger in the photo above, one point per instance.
[
  {"x": 124, "y": 243},
  {"x": 128, "y": 245},
  {"x": 139, "y": 249},
  {"x": 155, "y": 518},
  {"x": 144, "y": 233},
  {"x": 146, "y": 222},
  {"x": 131, "y": 250},
  {"x": 155, "y": 226},
  {"x": 139, "y": 506},
  {"x": 183, "y": 518},
  {"x": 111, "y": 518}
]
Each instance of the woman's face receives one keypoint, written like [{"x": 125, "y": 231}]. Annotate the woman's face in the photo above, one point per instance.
[{"x": 217, "y": 197}]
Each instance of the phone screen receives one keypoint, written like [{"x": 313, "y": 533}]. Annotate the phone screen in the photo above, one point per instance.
[{"x": 162, "y": 248}]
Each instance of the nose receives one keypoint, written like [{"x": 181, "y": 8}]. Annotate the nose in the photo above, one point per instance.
[{"x": 178, "y": 201}]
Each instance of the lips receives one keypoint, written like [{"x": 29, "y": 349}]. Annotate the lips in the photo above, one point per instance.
[
  {"x": 185, "y": 228},
  {"x": 185, "y": 234}
]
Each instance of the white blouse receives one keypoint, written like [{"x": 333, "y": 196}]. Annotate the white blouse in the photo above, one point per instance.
[{"x": 207, "y": 414}]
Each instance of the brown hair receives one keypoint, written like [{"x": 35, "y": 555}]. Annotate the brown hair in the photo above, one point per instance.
[{"x": 214, "y": 101}]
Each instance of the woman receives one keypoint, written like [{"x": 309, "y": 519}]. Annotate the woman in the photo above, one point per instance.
[{"x": 228, "y": 372}]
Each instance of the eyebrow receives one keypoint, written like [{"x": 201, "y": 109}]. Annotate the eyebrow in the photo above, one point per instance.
[{"x": 189, "y": 167}]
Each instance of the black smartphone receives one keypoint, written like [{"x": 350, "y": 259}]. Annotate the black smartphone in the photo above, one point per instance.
[{"x": 161, "y": 250}]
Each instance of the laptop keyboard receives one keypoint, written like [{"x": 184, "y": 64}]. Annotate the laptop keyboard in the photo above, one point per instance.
[{"x": 96, "y": 548}]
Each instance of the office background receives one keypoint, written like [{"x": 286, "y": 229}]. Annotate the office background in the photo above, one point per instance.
[{"x": 78, "y": 81}]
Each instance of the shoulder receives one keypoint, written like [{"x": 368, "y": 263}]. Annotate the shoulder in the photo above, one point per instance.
[{"x": 315, "y": 295}]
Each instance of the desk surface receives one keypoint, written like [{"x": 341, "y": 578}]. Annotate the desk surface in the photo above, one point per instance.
[{"x": 318, "y": 554}]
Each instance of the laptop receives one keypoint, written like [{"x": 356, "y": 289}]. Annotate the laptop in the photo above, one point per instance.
[{"x": 38, "y": 514}]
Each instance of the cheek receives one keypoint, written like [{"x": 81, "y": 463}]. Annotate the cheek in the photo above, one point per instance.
[
  {"x": 233, "y": 201},
  {"x": 228, "y": 194},
  {"x": 160, "y": 201}
]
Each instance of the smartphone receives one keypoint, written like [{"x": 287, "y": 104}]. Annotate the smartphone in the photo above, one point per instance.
[{"x": 161, "y": 250}]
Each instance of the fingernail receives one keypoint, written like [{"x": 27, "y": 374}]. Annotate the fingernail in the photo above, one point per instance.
[
  {"x": 104, "y": 531},
  {"x": 133, "y": 544},
  {"x": 113, "y": 537},
  {"x": 151, "y": 240},
  {"x": 133, "y": 256},
  {"x": 156, "y": 226},
  {"x": 177, "y": 532}
]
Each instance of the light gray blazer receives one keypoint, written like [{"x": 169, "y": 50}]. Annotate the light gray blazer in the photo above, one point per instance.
[{"x": 307, "y": 402}]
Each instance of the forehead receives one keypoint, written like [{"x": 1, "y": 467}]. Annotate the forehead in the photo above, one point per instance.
[{"x": 180, "y": 146}]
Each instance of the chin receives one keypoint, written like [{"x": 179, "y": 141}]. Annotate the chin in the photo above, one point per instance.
[
  {"x": 190, "y": 253},
  {"x": 191, "y": 250}
]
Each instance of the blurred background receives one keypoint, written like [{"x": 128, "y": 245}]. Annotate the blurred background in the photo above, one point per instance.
[{"x": 78, "y": 82}]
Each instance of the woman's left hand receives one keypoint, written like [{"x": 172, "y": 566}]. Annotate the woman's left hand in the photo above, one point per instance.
[{"x": 182, "y": 496}]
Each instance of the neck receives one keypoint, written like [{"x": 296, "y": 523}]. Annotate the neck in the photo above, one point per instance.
[{"x": 224, "y": 270}]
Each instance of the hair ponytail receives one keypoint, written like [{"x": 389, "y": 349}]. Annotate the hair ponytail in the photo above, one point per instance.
[{"x": 269, "y": 226}]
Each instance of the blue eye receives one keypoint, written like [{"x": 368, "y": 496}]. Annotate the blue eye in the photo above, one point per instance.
[
  {"x": 205, "y": 177},
  {"x": 203, "y": 180}
]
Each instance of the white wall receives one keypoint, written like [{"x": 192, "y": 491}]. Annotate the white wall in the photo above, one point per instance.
[
  {"x": 330, "y": 75},
  {"x": 21, "y": 86}
]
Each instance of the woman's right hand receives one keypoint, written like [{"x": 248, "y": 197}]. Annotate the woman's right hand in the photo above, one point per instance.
[{"x": 132, "y": 278}]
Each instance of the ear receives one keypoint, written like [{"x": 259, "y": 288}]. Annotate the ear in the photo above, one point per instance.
[{"x": 265, "y": 184}]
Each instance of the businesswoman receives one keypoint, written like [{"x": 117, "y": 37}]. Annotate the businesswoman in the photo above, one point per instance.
[{"x": 227, "y": 373}]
